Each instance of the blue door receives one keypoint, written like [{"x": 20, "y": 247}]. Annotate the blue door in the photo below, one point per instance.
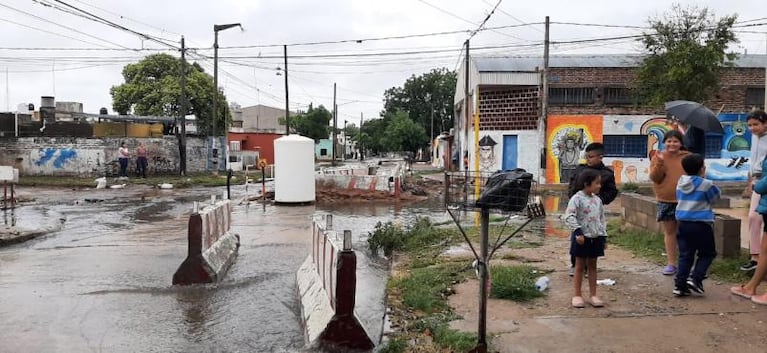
[{"x": 509, "y": 152}]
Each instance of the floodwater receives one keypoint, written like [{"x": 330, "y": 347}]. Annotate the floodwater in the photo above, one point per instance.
[{"x": 102, "y": 283}]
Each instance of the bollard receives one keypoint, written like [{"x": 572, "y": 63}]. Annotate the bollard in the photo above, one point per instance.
[
  {"x": 212, "y": 199},
  {"x": 228, "y": 183},
  {"x": 329, "y": 222},
  {"x": 347, "y": 240}
]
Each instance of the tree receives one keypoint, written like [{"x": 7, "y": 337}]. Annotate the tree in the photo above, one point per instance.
[
  {"x": 687, "y": 50},
  {"x": 420, "y": 96},
  {"x": 315, "y": 123},
  {"x": 152, "y": 87},
  {"x": 373, "y": 134},
  {"x": 403, "y": 134}
]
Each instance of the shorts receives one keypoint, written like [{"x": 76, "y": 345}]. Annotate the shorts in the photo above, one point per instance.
[
  {"x": 666, "y": 211},
  {"x": 591, "y": 248}
]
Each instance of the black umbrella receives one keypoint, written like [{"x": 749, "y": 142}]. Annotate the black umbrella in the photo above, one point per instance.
[{"x": 694, "y": 114}]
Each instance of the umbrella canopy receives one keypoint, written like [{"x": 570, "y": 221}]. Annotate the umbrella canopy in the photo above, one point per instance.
[{"x": 694, "y": 114}]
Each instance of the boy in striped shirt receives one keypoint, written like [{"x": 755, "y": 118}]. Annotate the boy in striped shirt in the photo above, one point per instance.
[{"x": 695, "y": 234}]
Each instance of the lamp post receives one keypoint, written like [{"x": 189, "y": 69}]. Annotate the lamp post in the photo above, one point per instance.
[
  {"x": 346, "y": 139},
  {"x": 216, "y": 29}
]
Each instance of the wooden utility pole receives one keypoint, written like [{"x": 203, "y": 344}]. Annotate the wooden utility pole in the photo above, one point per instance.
[
  {"x": 360, "y": 147},
  {"x": 335, "y": 116},
  {"x": 182, "y": 105},
  {"x": 287, "y": 104},
  {"x": 544, "y": 98}
]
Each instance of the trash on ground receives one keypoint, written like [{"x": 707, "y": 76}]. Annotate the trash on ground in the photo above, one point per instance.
[
  {"x": 606, "y": 282},
  {"x": 542, "y": 283},
  {"x": 101, "y": 183}
]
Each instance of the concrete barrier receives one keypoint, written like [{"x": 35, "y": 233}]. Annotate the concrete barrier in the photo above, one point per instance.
[
  {"x": 326, "y": 283},
  {"x": 212, "y": 248},
  {"x": 639, "y": 212}
]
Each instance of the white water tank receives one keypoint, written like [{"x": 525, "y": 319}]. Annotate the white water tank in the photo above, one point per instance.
[{"x": 294, "y": 169}]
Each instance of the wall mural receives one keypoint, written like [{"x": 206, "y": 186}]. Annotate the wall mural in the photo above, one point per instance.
[
  {"x": 567, "y": 134},
  {"x": 58, "y": 157},
  {"x": 487, "y": 154},
  {"x": 566, "y": 138}
]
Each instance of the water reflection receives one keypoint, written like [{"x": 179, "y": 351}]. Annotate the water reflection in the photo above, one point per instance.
[
  {"x": 195, "y": 305},
  {"x": 9, "y": 217}
]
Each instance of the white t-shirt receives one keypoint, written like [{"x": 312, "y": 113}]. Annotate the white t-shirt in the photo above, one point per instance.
[
  {"x": 758, "y": 152},
  {"x": 123, "y": 152}
]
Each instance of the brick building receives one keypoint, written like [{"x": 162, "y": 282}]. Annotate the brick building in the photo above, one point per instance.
[
  {"x": 252, "y": 134},
  {"x": 589, "y": 100}
]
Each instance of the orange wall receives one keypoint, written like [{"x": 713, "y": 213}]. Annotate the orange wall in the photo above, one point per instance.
[
  {"x": 263, "y": 142},
  {"x": 580, "y": 130}
]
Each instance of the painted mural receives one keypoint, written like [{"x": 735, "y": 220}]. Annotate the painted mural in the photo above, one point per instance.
[
  {"x": 487, "y": 154},
  {"x": 569, "y": 133},
  {"x": 566, "y": 138}
]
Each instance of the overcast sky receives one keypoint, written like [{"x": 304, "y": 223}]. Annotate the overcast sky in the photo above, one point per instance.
[{"x": 249, "y": 76}]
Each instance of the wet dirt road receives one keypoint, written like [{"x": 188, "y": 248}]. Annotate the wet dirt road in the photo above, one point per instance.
[{"x": 103, "y": 282}]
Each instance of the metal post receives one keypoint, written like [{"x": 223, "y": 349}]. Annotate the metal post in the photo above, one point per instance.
[
  {"x": 544, "y": 100},
  {"x": 229, "y": 183},
  {"x": 215, "y": 98},
  {"x": 360, "y": 147},
  {"x": 287, "y": 105},
  {"x": 483, "y": 283},
  {"x": 182, "y": 138},
  {"x": 335, "y": 116}
]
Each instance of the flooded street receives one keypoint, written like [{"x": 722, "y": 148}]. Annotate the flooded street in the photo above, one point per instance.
[{"x": 102, "y": 283}]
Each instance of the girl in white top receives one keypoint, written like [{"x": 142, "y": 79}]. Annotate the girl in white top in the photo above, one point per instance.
[{"x": 757, "y": 124}]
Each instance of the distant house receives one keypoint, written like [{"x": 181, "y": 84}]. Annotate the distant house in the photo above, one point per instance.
[{"x": 253, "y": 132}]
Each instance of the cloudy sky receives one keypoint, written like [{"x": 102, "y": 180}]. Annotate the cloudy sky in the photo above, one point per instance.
[{"x": 47, "y": 49}]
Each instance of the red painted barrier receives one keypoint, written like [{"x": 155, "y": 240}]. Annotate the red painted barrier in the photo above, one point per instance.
[
  {"x": 212, "y": 248},
  {"x": 327, "y": 287}
]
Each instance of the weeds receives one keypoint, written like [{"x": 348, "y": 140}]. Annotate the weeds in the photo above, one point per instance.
[
  {"x": 426, "y": 288},
  {"x": 629, "y": 187},
  {"x": 515, "y": 283}
]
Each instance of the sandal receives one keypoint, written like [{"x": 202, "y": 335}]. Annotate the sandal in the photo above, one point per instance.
[
  {"x": 741, "y": 292},
  {"x": 760, "y": 299},
  {"x": 578, "y": 302},
  {"x": 596, "y": 302}
]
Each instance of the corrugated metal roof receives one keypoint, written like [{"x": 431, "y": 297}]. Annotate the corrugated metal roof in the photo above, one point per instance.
[{"x": 528, "y": 63}]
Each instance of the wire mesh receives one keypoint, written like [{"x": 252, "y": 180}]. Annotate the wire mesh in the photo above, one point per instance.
[{"x": 499, "y": 192}]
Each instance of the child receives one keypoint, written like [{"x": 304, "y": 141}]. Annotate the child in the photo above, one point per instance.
[
  {"x": 757, "y": 124},
  {"x": 585, "y": 215},
  {"x": 665, "y": 170},
  {"x": 749, "y": 289},
  {"x": 695, "y": 195},
  {"x": 609, "y": 191}
]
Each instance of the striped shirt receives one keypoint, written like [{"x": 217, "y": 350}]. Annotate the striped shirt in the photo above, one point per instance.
[{"x": 696, "y": 196}]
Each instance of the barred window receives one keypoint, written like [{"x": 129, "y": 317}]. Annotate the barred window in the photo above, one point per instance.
[
  {"x": 571, "y": 95},
  {"x": 618, "y": 96},
  {"x": 626, "y": 146},
  {"x": 754, "y": 97}
]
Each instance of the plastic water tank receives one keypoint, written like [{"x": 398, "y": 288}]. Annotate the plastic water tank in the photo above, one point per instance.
[{"x": 294, "y": 169}]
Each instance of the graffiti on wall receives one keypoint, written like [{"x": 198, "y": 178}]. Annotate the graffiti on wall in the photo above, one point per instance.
[
  {"x": 567, "y": 137},
  {"x": 487, "y": 154},
  {"x": 568, "y": 133},
  {"x": 57, "y": 157}
]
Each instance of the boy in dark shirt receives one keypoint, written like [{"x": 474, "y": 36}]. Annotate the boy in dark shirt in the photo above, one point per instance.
[{"x": 609, "y": 191}]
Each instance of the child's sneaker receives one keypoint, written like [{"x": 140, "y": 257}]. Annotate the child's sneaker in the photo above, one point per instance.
[
  {"x": 749, "y": 266},
  {"x": 696, "y": 286},
  {"x": 681, "y": 292},
  {"x": 669, "y": 270}
]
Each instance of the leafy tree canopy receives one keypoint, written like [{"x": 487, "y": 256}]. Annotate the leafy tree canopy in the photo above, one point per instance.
[
  {"x": 403, "y": 134},
  {"x": 153, "y": 87},
  {"x": 687, "y": 48},
  {"x": 420, "y": 96},
  {"x": 314, "y": 124}
]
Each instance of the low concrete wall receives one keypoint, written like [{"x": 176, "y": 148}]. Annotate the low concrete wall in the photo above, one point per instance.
[
  {"x": 212, "y": 248},
  {"x": 326, "y": 285},
  {"x": 639, "y": 212}
]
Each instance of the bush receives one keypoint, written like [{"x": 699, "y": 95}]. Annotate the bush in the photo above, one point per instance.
[
  {"x": 386, "y": 237},
  {"x": 629, "y": 187}
]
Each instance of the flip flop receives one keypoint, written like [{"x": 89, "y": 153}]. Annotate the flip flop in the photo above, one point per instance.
[
  {"x": 760, "y": 299},
  {"x": 596, "y": 302},
  {"x": 578, "y": 302},
  {"x": 740, "y": 291}
]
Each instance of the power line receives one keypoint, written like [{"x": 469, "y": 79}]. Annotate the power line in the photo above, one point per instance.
[
  {"x": 468, "y": 21},
  {"x": 512, "y": 16},
  {"x": 49, "y": 32},
  {"x": 485, "y": 20},
  {"x": 128, "y": 18}
]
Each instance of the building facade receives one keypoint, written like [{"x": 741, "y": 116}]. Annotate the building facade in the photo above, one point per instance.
[{"x": 589, "y": 100}]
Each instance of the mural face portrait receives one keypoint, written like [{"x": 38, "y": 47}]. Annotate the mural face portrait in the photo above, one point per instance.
[{"x": 487, "y": 153}]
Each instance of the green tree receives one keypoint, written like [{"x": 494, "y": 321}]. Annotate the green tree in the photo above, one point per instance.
[
  {"x": 420, "y": 96},
  {"x": 152, "y": 87},
  {"x": 403, "y": 134},
  {"x": 314, "y": 123},
  {"x": 687, "y": 49},
  {"x": 373, "y": 134}
]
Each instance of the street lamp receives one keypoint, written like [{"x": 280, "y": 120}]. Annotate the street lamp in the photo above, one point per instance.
[
  {"x": 346, "y": 137},
  {"x": 216, "y": 29}
]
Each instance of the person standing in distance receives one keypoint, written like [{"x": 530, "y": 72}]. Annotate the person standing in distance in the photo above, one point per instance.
[{"x": 607, "y": 193}]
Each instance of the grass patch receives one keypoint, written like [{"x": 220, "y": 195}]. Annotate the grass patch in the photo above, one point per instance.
[
  {"x": 396, "y": 345},
  {"x": 443, "y": 335},
  {"x": 629, "y": 187},
  {"x": 650, "y": 246},
  {"x": 522, "y": 244},
  {"x": 426, "y": 288},
  {"x": 178, "y": 181},
  {"x": 421, "y": 240},
  {"x": 515, "y": 283}
]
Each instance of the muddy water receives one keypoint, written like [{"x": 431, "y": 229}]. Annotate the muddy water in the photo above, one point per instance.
[{"x": 102, "y": 283}]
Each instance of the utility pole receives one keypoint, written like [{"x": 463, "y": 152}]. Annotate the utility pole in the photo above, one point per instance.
[
  {"x": 431, "y": 140},
  {"x": 466, "y": 113},
  {"x": 544, "y": 99},
  {"x": 360, "y": 147},
  {"x": 287, "y": 105},
  {"x": 216, "y": 29},
  {"x": 182, "y": 104},
  {"x": 335, "y": 116}
]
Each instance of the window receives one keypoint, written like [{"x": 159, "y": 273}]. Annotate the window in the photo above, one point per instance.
[
  {"x": 625, "y": 146},
  {"x": 713, "y": 146},
  {"x": 234, "y": 146},
  {"x": 323, "y": 151},
  {"x": 754, "y": 97},
  {"x": 574, "y": 96},
  {"x": 618, "y": 96}
]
